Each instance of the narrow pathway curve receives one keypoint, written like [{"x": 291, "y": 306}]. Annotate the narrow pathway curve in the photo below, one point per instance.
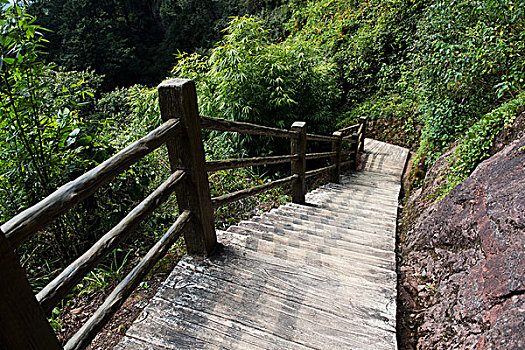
[{"x": 315, "y": 276}]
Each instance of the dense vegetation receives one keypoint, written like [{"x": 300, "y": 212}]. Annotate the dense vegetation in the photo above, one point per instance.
[{"x": 429, "y": 74}]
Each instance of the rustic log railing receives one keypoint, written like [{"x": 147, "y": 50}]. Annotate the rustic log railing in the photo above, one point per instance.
[{"x": 23, "y": 324}]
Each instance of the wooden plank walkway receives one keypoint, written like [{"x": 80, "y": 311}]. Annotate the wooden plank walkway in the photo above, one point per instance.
[{"x": 315, "y": 276}]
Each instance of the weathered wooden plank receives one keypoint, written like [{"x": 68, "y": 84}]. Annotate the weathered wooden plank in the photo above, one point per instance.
[
  {"x": 178, "y": 100},
  {"x": 268, "y": 230},
  {"x": 235, "y": 196},
  {"x": 377, "y": 211},
  {"x": 366, "y": 223},
  {"x": 24, "y": 325},
  {"x": 352, "y": 232},
  {"x": 216, "y": 165},
  {"x": 247, "y": 268},
  {"x": 44, "y": 212},
  {"x": 67, "y": 279},
  {"x": 278, "y": 317},
  {"x": 257, "y": 233},
  {"x": 275, "y": 276},
  {"x": 113, "y": 302},
  {"x": 367, "y": 191},
  {"x": 244, "y": 128},
  {"x": 322, "y": 259}
]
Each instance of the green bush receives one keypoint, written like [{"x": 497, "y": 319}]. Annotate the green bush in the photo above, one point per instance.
[
  {"x": 468, "y": 57},
  {"x": 248, "y": 78},
  {"x": 474, "y": 147}
]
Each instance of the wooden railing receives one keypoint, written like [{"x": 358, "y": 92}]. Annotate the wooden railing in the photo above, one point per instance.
[{"x": 23, "y": 324}]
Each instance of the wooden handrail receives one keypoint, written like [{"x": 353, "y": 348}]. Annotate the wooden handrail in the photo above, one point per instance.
[
  {"x": 115, "y": 300},
  {"x": 216, "y": 165},
  {"x": 320, "y": 170},
  {"x": 37, "y": 217},
  {"x": 348, "y": 129},
  {"x": 238, "y": 195},
  {"x": 310, "y": 156},
  {"x": 71, "y": 275},
  {"x": 323, "y": 138},
  {"x": 360, "y": 130},
  {"x": 244, "y": 128}
]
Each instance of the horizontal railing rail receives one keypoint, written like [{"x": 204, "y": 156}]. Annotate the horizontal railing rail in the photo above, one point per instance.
[
  {"x": 216, "y": 165},
  {"x": 71, "y": 275},
  {"x": 37, "y": 217},
  {"x": 238, "y": 195},
  {"x": 320, "y": 170},
  {"x": 349, "y": 129},
  {"x": 310, "y": 156},
  {"x": 181, "y": 132},
  {"x": 244, "y": 128},
  {"x": 323, "y": 138},
  {"x": 114, "y": 301}
]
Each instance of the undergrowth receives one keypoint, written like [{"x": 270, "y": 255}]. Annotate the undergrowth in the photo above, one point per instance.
[{"x": 474, "y": 147}]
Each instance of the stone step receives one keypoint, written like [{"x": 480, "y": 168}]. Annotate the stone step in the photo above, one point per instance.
[
  {"x": 282, "y": 218},
  {"x": 354, "y": 221},
  {"x": 372, "y": 179},
  {"x": 357, "y": 188},
  {"x": 310, "y": 257},
  {"x": 374, "y": 240},
  {"x": 347, "y": 210},
  {"x": 346, "y": 196},
  {"x": 270, "y": 232}
]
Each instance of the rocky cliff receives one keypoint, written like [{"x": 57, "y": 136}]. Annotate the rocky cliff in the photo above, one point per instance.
[{"x": 462, "y": 259}]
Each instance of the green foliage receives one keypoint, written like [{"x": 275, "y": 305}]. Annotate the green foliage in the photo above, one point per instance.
[
  {"x": 468, "y": 58},
  {"x": 132, "y": 42},
  {"x": 41, "y": 135},
  {"x": 118, "y": 39},
  {"x": 100, "y": 277},
  {"x": 248, "y": 78},
  {"x": 474, "y": 147},
  {"x": 193, "y": 25},
  {"x": 368, "y": 40}
]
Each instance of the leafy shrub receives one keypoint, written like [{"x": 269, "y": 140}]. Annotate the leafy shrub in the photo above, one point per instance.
[
  {"x": 468, "y": 58},
  {"x": 248, "y": 78},
  {"x": 474, "y": 147}
]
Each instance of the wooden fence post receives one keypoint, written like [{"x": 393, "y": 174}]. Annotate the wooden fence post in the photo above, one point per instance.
[
  {"x": 363, "y": 121},
  {"x": 23, "y": 324},
  {"x": 337, "y": 147},
  {"x": 178, "y": 99},
  {"x": 298, "y": 146}
]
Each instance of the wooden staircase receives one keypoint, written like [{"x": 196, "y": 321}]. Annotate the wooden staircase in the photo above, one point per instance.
[{"x": 315, "y": 276}]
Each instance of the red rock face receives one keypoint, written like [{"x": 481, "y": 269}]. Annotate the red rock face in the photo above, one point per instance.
[{"x": 464, "y": 260}]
